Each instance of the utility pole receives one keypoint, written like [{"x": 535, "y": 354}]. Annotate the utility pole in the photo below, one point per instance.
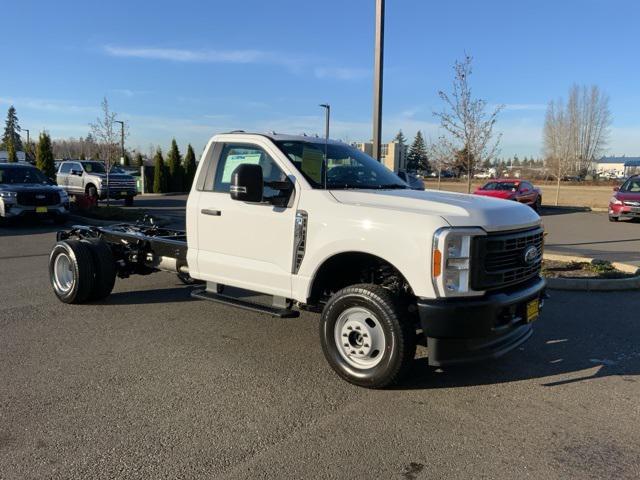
[
  {"x": 377, "y": 79},
  {"x": 28, "y": 145},
  {"x": 121, "y": 140},
  {"x": 327, "y": 109}
]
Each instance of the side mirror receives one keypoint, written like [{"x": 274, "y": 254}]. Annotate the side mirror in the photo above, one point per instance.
[
  {"x": 615, "y": 189},
  {"x": 246, "y": 183}
]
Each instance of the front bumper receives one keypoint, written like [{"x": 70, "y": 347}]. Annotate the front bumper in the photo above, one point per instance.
[
  {"x": 13, "y": 210},
  {"x": 624, "y": 211},
  {"x": 117, "y": 193},
  {"x": 471, "y": 329}
]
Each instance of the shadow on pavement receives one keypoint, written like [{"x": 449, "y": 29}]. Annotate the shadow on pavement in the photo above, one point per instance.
[
  {"x": 144, "y": 297},
  {"x": 580, "y": 336},
  {"x": 547, "y": 211},
  {"x": 30, "y": 227}
]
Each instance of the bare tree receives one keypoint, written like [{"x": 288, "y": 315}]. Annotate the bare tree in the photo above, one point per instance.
[
  {"x": 107, "y": 136},
  {"x": 575, "y": 135},
  {"x": 466, "y": 119},
  {"x": 558, "y": 142},
  {"x": 441, "y": 153}
]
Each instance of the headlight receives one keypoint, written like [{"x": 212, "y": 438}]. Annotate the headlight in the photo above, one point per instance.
[
  {"x": 451, "y": 261},
  {"x": 615, "y": 201},
  {"x": 8, "y": 195}
]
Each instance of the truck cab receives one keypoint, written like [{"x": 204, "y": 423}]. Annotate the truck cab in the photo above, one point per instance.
[
  {"x": 320, "y": 226},
  {"x": 89, "y": 177}
]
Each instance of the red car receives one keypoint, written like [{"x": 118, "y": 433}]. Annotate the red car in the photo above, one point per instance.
[
  {"x": 513, "y": 189},
  {"x": 625, "y": 202}
]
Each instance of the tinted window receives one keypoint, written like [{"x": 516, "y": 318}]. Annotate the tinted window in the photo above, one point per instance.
[
  {"x": 234, "y": 155},
  {"x": 93, "y": 167},
  {"x": 500, "y": 186},
  {"x": 347, "y": 167},
  {"x": 631, "y": 185},
  {"x": 65, "y": 168},
  {"x": 9, "y": 175}
]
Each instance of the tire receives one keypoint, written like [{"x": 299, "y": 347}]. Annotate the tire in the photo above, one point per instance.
[
  {"x": 104, "y": 267},
  {"x": 92, "y": 192},
  {"x": 71, "y": 271},
  {"x": 613, "y": 219},
  {"x": 355, "y": 314},
  {"x": 188, "y": 279},
  {"x": 537, "y": 205},
  {"x": 128, "y": 201}
]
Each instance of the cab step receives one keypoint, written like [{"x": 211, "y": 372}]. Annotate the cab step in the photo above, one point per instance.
[{"x": 210, "y": 294}]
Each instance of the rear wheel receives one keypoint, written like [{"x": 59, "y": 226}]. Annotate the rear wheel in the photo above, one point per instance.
[
  {"x": 364, "y": 338},
  {"x": 92, "y": 193},
  {"x": 537, "y": 205},
  {"x": 104, "y": 267},
  {"x": 71, "y": 271},
  {"x": 613, "y": 219}
]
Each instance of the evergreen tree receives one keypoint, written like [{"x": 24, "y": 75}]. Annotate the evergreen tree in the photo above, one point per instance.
[
  {"x": 174, "y": 168},
  {"x": 139, "y": 161},
  {"x": 189, "y": 168},
  {"x": 44, "y": 155},
  {"x": 417, "y": 159},
  {"x": 11, "y": 140},
  {"x": 463, "y": 158},
  {"x": 516, "y": 161},
  {"x": 159, "y": 173},
  {"x": 400, "y": 138}
]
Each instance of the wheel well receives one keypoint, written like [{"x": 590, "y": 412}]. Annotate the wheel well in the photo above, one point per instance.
[
  {"x": 89, "y": 185},
  {"x": 350, "y": 268}
]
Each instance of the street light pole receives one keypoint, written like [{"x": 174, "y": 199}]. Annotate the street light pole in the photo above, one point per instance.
[
  {"x": 121, "y": 140},
  {"x": 377, "y": 79},
  {"x": 28, "y": 143},
  {"x": 327, "y": 109}
]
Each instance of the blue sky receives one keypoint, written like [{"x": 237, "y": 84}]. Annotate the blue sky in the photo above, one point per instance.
[{"x": 191, "y": 69}]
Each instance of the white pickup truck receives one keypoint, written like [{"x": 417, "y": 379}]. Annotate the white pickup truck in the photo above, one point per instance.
[{"x": 323, "y": 227}]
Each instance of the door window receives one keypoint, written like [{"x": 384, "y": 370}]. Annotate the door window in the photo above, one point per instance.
[
  {"x": 65, "y": 168},
  {"x": 234, "y": 155}
]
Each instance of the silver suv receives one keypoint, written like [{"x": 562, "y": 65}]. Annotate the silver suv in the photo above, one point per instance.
[
  {"x": 26, "y": 191},
  {"x": 87, "y": 177}
]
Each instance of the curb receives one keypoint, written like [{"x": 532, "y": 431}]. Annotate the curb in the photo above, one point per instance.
[{"x": 593, "y": 284}]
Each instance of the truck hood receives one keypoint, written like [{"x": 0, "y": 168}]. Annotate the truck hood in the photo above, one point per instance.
[
  {"x": 28, "y": 187},
  {"x": 113, "y": 176},
  {"x": 457, "y": 209}
]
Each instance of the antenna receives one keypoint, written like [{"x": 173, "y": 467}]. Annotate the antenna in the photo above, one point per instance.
[{"x": 327, "y": 108}]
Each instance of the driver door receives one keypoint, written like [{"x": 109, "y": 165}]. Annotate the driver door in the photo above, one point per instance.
[{"x": 247, "y": 245}]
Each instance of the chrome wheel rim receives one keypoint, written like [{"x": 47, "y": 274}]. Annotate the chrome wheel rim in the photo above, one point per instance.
[
  {"x": 360, "y": 338},
  {"x": 63, "y": 277}
]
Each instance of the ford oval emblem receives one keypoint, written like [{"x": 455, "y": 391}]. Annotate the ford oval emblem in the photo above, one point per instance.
[{"x": 530, "y": 255}]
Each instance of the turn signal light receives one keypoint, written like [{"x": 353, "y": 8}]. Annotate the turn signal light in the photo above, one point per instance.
[{"x": 437, "y": 263}]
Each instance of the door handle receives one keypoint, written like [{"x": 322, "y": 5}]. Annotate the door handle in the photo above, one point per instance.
[{"x": 208, "y": 211}]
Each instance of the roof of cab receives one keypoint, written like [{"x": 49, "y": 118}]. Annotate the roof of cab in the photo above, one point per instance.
[{"x": 284, "y": 137}]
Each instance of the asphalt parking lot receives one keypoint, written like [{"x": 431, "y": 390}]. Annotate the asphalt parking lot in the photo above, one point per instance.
[{"x": 153, "y": 384}]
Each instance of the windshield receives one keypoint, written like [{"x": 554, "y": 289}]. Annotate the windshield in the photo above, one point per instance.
[
  {"x": 347, "y": 167},
  {"x": 10, "y": 175},
  {"x": 505, "y": 186},
  {"x": 93, "y": 167},
  {"x": 632, "y": 185}
]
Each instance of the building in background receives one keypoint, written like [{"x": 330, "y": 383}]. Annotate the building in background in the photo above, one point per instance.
[
  {"x": 394, "y": 154},
  {"x": 4, "y": 156},
  {"x": 617, "y": 167}
]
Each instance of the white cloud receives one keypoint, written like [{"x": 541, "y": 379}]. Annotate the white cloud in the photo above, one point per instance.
[
  {"x": 341, "y": 73},
  {"x": 519, "y": 107},
  {"x": 46, "y": 105}
]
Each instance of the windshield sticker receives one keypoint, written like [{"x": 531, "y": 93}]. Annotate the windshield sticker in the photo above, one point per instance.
[
  {"x": 312, "y": 160},
  {"x": 233, "y": 161}
]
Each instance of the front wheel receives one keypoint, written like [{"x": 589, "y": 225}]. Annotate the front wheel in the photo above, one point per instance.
[
  {"x": 537, "y": 205},
  {"x": 613, "y": 219},
  {"x": 364, "y": 337}
]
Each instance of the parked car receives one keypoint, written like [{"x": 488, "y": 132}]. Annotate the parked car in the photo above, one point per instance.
[
  {"x": 26, "y": 191},
  {"x": 511, "y": 189},
  {"x": 383, "y": 263},
  {"x": 412, "y": 180},
  {"x": 625, "y": 202},
  {"x": 89, "y": 177}
]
